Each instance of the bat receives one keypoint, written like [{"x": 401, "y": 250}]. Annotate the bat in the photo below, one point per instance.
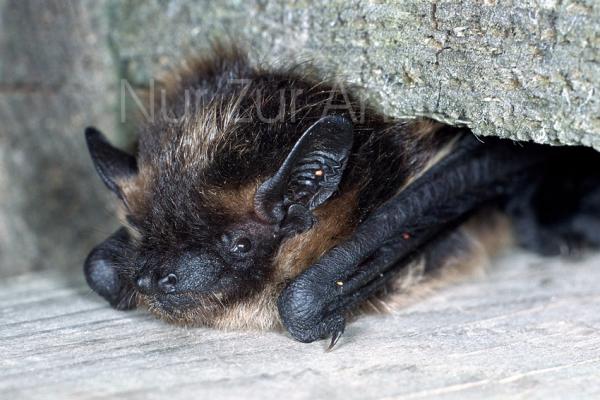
[{"x": 266, "y": 198}]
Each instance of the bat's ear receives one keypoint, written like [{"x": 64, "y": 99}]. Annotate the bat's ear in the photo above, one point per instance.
[
  {"x": 111, "y": 163},
  {"x": 309, "y": 175}
]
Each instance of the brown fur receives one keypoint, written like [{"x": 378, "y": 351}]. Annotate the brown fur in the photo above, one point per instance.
[
  {"x": 335, "y": 222},
  {"x": 259, "y": 312},
  {"x": 184, "y": 167},
  {"x": 293, "y": 257},
  {"x": 481, "y": 241}
]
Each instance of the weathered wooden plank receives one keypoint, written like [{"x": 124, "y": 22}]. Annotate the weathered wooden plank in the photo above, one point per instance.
[{"x": 530, "y": 329}]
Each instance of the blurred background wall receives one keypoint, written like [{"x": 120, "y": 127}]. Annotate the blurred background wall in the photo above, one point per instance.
[{"x": 526, "y": 70}]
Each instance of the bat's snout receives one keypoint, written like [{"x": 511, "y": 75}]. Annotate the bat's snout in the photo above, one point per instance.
[{"x": 188, "y": 272}]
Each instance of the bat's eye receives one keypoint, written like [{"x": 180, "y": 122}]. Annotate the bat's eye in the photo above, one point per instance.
[{"x": 241, "y": 246}]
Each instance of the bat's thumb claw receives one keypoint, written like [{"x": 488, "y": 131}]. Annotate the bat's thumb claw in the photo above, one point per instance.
[{"x": 335, "y": 337}]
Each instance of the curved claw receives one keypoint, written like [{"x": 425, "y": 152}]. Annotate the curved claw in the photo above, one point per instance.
[{"x": 335, "y": 337}]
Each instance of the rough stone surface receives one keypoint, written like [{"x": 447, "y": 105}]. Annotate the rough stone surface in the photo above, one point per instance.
[
  {"x": 56, "y": 77},
  {"x": 529, "y": 330},
  {"x": 528, "y": 70}
]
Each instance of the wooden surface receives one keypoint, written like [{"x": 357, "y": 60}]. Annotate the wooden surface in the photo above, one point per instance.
[{"x": 528, "y": 330}]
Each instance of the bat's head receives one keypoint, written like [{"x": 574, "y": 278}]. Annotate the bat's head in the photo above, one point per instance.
[{"x": 216, "y": 223}]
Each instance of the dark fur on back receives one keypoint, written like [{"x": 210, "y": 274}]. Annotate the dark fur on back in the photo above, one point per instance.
[{"x": 255, "y": 123}]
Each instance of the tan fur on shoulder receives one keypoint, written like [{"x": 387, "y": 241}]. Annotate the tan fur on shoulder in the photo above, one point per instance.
[
  {"x": 486, "y": 233},
  {"x": 335, "y": 222}
]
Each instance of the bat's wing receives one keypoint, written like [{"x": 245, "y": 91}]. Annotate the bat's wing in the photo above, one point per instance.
[
  {"x": 102, "y": 270},
  {"x": 313, "y": 305}
]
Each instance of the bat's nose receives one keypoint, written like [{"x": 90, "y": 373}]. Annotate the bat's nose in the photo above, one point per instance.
[
  {"x": 168, "y": 283},
  {"x": 150, "y": 283},
  {"x": 144, "y": 283}
]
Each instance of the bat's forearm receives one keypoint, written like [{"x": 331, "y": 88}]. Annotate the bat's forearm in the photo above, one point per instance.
[{"x": 472, "y": 175}]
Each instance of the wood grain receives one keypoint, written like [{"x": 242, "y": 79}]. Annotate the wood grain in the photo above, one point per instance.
[{"x": 530, "y": 329}]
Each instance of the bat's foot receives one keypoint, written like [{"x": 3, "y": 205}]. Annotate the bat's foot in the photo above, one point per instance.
[{"x": 308, "y": 317}]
